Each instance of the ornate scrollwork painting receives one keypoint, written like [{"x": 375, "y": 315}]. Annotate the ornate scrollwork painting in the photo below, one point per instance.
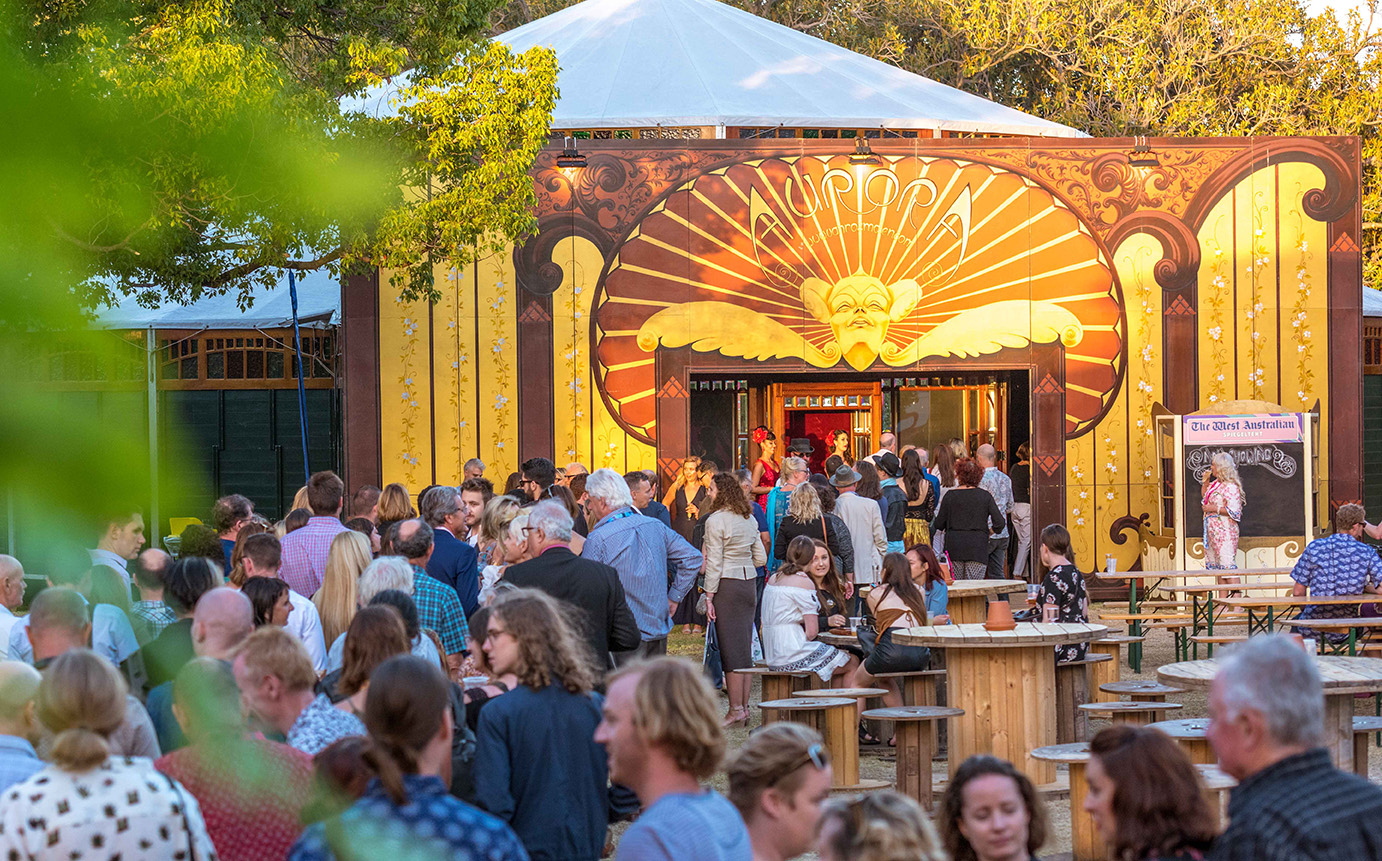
[{"x": 812, "y": 262}]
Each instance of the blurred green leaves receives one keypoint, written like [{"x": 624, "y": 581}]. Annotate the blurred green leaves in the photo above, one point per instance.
[{"x": 164, "y": 149}]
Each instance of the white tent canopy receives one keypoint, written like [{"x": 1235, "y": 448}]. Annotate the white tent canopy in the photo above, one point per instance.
[
  {"x": 319, "y": 307},
  {"x": 647, "y": 63}
]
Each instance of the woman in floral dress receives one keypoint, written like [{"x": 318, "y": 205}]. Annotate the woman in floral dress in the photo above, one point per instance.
[
  {"x": 1062, "y": 596},
  {"x": 1223, "y": 500}
]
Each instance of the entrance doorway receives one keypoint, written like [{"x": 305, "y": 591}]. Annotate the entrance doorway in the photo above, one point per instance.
[
  {"x": 928, "y": 416},
  {"x": 814, "y": 411}
]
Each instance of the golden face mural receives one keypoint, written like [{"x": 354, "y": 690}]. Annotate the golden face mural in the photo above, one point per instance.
[{"x": 917, "y": 261}]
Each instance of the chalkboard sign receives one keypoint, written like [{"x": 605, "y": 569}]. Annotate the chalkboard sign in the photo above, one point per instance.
[{"x": 1270, "y": 454}]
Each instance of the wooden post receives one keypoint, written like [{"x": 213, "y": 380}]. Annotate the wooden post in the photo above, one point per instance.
[
  {"x": 1009, "y": 710},
  {"x": 1086, "y": 844}
]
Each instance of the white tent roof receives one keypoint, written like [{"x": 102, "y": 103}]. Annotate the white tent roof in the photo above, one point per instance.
[
  {"x": 319, "y": 306},
  {"x": 1372, "y": 302},
  {"x": 645, "y": 63}
]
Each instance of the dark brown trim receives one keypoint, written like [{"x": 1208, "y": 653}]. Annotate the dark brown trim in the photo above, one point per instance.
[
  {"x": 1048, "y": 442},
  {"x": 363, "y": 461},
  {"x": 536, "y": 410}
]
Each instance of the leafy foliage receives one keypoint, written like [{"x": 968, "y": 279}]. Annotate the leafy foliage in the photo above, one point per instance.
[{"x": 437, "y": 176}]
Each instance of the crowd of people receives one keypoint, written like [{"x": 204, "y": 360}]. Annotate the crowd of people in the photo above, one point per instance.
[{"x": 481, "y": 674}]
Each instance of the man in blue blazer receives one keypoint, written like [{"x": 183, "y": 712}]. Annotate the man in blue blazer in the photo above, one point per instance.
[{"x": 453, "y": 562}]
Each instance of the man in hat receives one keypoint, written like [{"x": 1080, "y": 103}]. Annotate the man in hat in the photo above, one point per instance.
[
  {"x": 795, "y": 472},
  {"x": 894, "y": 521},
  {"x": 865, "y": 524}
]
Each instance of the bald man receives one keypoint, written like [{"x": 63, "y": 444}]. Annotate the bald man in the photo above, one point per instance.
[
  {"x": 222, "y": 620},
  {"x": 19, "y": 726},
  {"x": 11, "y": 595},
  {"x": 997, "y": 483}
]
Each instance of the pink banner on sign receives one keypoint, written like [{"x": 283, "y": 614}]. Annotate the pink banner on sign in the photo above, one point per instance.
[{"x": 1229, "y": 430}]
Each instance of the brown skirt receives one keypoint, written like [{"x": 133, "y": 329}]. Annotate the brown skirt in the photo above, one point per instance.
[{"x": 734, "y": 606}]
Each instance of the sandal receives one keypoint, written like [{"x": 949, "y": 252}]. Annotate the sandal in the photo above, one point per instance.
[
  {"x": 865, "y": 737},
  {"x": 736, "y": 717}
]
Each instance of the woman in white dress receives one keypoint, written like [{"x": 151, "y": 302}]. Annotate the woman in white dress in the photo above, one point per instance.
[{"x": 790, "y": 623}]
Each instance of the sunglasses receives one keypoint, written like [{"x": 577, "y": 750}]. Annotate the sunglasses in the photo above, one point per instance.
[{"x": 815, "y": 755}]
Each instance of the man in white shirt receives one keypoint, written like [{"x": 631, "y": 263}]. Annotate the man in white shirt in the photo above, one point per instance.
[
  {"x": 865, "y": 523},
  {"x": 262, "y": 555},
  {"x": 888, "y": 443},
  {"x": 119, "y": 543},
  {"x": 475, "y": 495},
  {"x": 11, "y": 594}
]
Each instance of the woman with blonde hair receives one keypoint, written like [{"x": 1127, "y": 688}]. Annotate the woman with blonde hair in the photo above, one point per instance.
[
  {"x": 511, "y": 547},
  {"x": 394, "y": 505},
  {"x": 1222, "y": 499},
  {"x": 337, "y": 599},
  {"x": 494, "y": 525},
  {"x": 300, "y": 499},
  {"x": 87, "y": 798},
  {"x": 880, "y": 826},
  {"x": 805, "y": 516}
]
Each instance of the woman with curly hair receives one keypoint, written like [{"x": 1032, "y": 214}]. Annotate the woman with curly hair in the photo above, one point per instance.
[
  {"x": 537, "y": 765},
  {"x": 966, "y": 516}
]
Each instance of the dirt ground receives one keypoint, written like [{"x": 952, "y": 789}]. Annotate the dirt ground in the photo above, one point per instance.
[{"x": 875, "y": 762}]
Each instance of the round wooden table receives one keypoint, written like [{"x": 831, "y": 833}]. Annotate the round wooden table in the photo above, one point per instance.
[
  {"x": 1191, "y": 735},
  {"x": 839, "y": 641},
  {"x": 967, "y": 600},
  {"x": 1005, "y": 681},
  {"x": 1085, "y": 842},
  {"x": 1342, "y": 678}
]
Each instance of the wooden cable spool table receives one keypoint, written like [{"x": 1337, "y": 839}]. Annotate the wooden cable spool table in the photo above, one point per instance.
[
  {"x": 1216, "y": 786},
  {"x": 1085, "y": 842},
  {"x": 1192, "y": 736},
  {"x": 1005, "y": 682},
  {"x": 837, "y": 720},
  {"x": 1342, "y": 678},
  {"x": 913, "y": 729},
  {"x": 1111, "y": 671},
  {"x": 779, "y": 685},
  {"x": 967, "y": 600},
  {"x": 1141, "y": 690},
  {"x": 1136, "y": 714}
]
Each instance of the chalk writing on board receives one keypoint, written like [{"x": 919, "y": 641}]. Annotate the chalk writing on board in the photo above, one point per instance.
[{"x": 1269, "y": 457}]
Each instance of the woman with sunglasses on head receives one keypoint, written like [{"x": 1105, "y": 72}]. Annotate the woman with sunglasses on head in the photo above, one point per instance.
[
  {"x": 1146, "y": 798},
  {"x": 778, "y": 780}
]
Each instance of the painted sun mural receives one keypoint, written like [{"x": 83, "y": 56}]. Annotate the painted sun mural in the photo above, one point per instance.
[{"x": 818, "y": 260}]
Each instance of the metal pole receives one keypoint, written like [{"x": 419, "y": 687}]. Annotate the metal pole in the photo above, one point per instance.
[
  {"x": 151, "y": 395},
  {"x": 302, "y": 395}
]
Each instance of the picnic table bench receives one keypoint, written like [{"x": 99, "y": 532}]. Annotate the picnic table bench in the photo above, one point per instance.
[
  {"x": 1350, "y": 626},
  {"x": 1264, "y": 613},
  {"x": 1150, "y": 581}
]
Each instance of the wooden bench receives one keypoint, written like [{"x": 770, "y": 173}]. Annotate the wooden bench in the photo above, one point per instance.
[
  {"x": 778, "y": 685},
  {"x": 1363, "y": 726},
  {"x": 1072, "y": 691},
  {"x": 914, "y": 725},
  {"x": 1142, "y": 691},
  {"x": 1109, "y": 671},
  {"x": 1136, "y": 714},
  {"x": 1192, "y": 736}
]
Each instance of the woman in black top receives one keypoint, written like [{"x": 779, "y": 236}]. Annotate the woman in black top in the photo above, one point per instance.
[
  {"x": 968, "y": 515},
  {"x": 805, "y": 517},
  {"x": 1021, "y": 477}
]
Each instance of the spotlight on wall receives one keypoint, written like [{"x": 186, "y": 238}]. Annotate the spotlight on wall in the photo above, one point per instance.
[
  {"x": 862, "y": 155},
  {"x": 571, "y": 158},
  {"x": 1142, "y": 155}
]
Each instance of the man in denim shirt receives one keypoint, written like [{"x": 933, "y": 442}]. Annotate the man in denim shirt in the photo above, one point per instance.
[{"x": 639, "y": 548}]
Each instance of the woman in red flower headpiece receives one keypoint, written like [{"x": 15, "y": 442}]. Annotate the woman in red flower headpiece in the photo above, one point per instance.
[{"x": 765, "y": 469}]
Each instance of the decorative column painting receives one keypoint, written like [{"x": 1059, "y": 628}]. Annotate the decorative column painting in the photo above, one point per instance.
[{"x": 1204, "y": 271}]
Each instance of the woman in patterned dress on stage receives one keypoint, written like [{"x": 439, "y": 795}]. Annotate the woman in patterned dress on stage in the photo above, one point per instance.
[{"x": 1222, "y": 499}]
